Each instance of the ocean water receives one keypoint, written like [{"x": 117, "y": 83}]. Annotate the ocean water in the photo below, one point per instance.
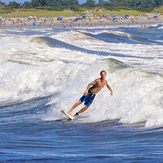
[{"x": 44, "y": 71}]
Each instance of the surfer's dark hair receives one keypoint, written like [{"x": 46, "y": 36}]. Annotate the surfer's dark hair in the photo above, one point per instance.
[{"x": 102, "y": 72}]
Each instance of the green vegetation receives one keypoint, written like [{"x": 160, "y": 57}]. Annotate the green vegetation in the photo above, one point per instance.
[
  {"x": 38, "y": 13},
  {"x": 42, "y": 13},
  {"x": 54, "y": 8}
]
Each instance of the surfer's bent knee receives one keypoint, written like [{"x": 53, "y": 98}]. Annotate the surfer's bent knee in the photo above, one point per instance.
[
  {"x": 86, "y": 106},
  {"x": 80, "y": 102}
]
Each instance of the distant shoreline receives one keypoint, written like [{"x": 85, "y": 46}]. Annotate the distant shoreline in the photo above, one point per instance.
[{"x": 67, "y": 23}]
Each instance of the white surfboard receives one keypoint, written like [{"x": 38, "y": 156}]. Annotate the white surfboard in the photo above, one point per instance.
[{"x": 69, "y": 116}]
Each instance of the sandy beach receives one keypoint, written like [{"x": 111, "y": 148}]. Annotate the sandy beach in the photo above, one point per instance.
[{"x": 71, "y": 22}]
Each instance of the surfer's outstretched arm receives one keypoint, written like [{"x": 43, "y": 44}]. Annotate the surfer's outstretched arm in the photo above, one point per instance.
[{"x": 108, "y": 86}]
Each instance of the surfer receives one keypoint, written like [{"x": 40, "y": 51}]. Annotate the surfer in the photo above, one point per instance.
[{"x": 92, "y": 89}]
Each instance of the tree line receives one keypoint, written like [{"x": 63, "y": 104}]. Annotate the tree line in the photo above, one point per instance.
[{"x": 89, "y": 3}]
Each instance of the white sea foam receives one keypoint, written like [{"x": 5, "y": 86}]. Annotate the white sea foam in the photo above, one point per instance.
[
  {"x": 146, "y": 54},
  {"x": 30, "y": 69},
  {"x": 118, "y": 33}
]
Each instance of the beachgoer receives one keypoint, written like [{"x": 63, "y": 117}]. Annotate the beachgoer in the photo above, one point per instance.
[
  {"x": 40, "y": 24},
  {"x": 34, "y": 24},
  {"x": 91, "y": 92},
  {"x": 4, "y": 23}
]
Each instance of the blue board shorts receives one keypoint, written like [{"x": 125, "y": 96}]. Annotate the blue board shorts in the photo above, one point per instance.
[{"x": 88, "y": 98}]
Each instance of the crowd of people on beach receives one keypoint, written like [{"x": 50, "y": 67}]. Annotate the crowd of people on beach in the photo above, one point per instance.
[
  {"x": 21, "y": 22},
  {"x": 71, "y": 22}
]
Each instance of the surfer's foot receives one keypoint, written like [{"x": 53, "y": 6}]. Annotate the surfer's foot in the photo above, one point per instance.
[
  {"x": 69, "y": 113},
  {"x": 76, "y": 115}
]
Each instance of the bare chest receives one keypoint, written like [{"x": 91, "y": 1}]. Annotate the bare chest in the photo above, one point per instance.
[{"x": 100, "y": 84}]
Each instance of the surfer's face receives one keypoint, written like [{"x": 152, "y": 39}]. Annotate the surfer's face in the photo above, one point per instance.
[{"x": 103, "y": 75}]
